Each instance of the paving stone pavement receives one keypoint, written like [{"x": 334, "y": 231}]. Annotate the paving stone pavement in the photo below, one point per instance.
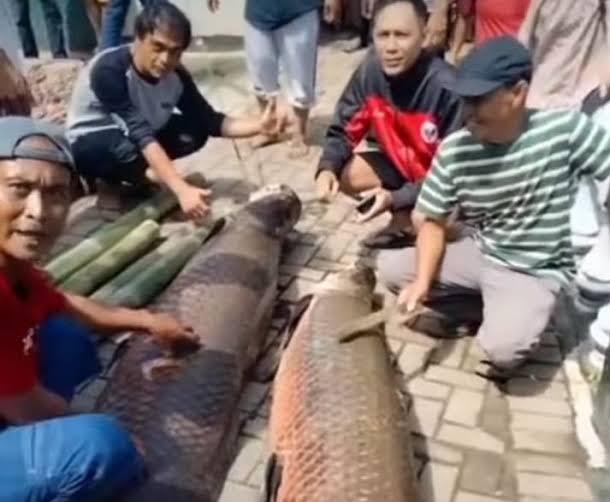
[{"x": 474, "y": 442}]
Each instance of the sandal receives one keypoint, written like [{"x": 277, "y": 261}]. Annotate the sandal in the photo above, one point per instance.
[{"x": 390, "y": 240}]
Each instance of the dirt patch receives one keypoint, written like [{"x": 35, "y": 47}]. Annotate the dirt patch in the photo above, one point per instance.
[{"x": 51, "y": 83}]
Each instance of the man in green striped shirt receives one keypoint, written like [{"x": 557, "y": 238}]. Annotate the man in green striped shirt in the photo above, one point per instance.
[{"x": 512, "y": 172}]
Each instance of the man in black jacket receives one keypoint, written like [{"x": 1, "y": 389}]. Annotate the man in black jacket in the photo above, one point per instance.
[{"x": 398, "y": 100}]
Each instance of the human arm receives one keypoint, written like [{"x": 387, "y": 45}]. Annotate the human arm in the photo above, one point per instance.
[
  {"x": 438, "y": 25},
  {"x": 436, "y": 202},
  {"x": 430, "y": 248},
  {"x": 32, "y": 406},
  {"x": 350, "y": 123},
  {"x": 464, "y": 19},
  {"x": 165, "y": 329},
  {"x": 245, "y": 127},
  {"x": 402, "y": 199}
]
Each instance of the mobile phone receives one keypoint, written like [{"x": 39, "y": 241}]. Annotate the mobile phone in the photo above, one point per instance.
[{"x": 366, "y": 204}]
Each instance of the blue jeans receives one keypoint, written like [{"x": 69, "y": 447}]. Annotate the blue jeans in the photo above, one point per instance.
[
  {"x": 80, "y": 458},
  {"x": 114, "y": 22}
]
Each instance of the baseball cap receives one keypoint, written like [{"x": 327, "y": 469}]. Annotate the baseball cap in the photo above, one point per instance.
[
  {"x": 13, "y": 130},
  {"x": 497, "y": 62}
]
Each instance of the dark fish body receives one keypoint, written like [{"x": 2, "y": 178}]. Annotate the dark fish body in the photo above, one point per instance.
[
  {"x": 338, "y": 426},
  {"x": 185, "y": 419}
]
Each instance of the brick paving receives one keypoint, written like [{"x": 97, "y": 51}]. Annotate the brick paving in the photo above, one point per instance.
[{"x": 473, "y": 442}]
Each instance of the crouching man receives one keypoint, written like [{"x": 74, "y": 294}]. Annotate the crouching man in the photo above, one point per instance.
[
  {"x": 397, "y": 97},
  {"x": 135, "y": 107},
  {"x": 47, "y": 453},
  {"x": 513, "y": 172}
]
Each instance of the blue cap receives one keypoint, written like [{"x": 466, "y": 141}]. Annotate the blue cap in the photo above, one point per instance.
[
  {"x": 497, "y": 62},
  {"x": 13, "y": 130}
]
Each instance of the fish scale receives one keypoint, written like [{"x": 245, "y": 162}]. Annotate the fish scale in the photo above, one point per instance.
[
  {"x": 338, "y": 425},
  {"x": 186, "y": 421}
]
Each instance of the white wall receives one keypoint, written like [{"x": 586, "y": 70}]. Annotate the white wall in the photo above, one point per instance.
[{"x": 229, "y": 20}]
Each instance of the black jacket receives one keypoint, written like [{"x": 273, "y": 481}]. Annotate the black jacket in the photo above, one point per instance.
[{"x": 407, "y": 115}]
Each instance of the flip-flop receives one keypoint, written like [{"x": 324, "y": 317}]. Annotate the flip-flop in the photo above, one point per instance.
[{"x": 390, "y": 240}]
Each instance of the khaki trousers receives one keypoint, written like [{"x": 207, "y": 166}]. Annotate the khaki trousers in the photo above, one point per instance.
[{"x": 516, "y": 306}]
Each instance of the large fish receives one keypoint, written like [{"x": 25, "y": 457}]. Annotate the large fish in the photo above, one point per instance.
[
  {"x": 338, "y": 427},
  {"x": 183, "y": 414}
]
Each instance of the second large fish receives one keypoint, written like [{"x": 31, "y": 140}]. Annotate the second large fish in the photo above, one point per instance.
[{"x": 339, "y": 431}]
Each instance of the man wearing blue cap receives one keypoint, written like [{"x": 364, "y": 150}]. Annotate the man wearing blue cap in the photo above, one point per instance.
[
  {"x": 513, "y": 173},
  {"x": 45, "y": 351}
]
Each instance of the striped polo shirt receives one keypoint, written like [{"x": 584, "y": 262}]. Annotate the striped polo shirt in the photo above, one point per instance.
[{"x": 518, "y": 196}]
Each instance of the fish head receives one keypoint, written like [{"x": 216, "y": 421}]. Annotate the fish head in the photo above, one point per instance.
[
  {"x": 276, "y": 208},
  {"x": 357, "y": 280}
]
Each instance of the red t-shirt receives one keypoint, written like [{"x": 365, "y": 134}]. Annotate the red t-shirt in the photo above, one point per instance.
[
  {"x": 494, "y": 18},
  {"x": 20, "y": 319}
]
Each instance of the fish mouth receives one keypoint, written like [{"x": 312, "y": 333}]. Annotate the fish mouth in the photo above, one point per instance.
[
  {"x": 277, "y": 206},
  {"x": 268, "y": 191},
  {"x": 358, "y": 280}
]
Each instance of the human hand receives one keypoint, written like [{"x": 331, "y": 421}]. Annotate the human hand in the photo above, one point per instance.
[
  {"x": 213, "y": 5},
  {"x": 327, "y": 185},
  {"x": 15, "y": 95},
  {"x": 412, "y": 296},
  {"x": 194, "y": 201},
  {"x": 333, "y": 11},
  {"x": 270, "y": 123},
  {"x": 172, "y": 335},
  {"x": 382, "y": 202}
]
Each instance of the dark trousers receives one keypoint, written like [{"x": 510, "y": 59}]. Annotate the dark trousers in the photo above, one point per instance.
[
  {"x": 111, "y": 156},
  {"x": 53, "y": 20},
  {"x": 114, "y": 22}
]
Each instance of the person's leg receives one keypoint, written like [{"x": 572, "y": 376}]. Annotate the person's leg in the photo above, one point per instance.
[
  {"x": 21, "y": 11},
  {"x": 262, "y": 60},
  {"x": 181, "y": 136},
  {"x": 369, "y": 170},
  {"x": 298, "y": 47},
  {"x": 109, "y": 155},
  {"x": 68, "y": 356},
  {"x": 113, "y": 23},
  {"x": 70, "y": 459},
  {"x": 517, "y": 309},
  {"x": 55, "y": 28},
  {"x": 108, "y": 159},
  {"x": 95, "y": 14},
  {"x": 454, "y": 299}
]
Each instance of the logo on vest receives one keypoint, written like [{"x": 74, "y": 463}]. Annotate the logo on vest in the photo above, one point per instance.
[
  {"x": 429, "y": 132},
  {"x": 28, "y": 342}
]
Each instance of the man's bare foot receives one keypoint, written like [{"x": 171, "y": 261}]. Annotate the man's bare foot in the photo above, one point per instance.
[
  {"x": 262, "y": 140},
  {"x": 298, "y": 149}
]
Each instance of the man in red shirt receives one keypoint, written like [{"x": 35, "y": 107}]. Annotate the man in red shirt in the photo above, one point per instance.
[
  {"x": 45, "y": 351},
  {"x": 491, "y": 18}
]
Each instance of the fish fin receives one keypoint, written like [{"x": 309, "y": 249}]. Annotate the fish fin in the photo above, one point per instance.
[
  {"x": 362, "y": 325},
  {"x": 273, "y": 479},
  {"x": 295, "y": 317}
]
